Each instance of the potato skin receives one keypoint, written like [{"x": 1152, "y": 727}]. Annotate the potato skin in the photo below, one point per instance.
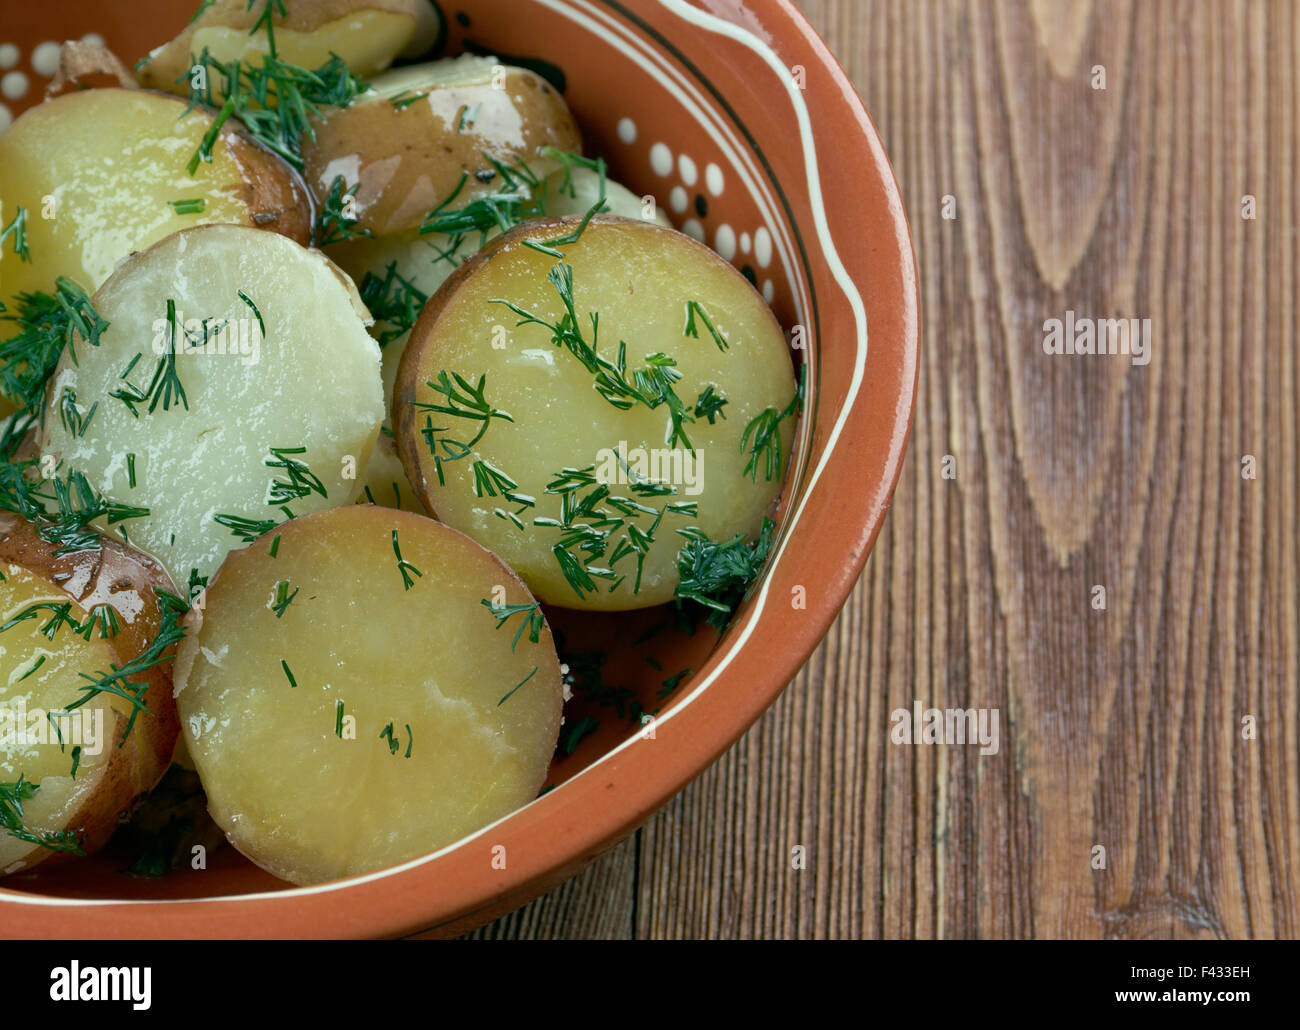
[
  {"x": 411, "y": 160},
  {"x": 393, "y": 20},
  {"x": 126, "y": 579}
]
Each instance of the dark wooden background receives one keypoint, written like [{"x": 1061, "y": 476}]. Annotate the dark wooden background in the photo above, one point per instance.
[{"x": 1120, "y": 727}]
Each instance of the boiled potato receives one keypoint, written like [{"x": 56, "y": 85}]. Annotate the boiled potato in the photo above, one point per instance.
[
  {"x": 281, "y": 396},
  {"x": 326, "y": 750},
  {"x": 367, "y": 34},
  {"x": 424, "y": 132},
  {"x": 40, "y": 673},
  {"x": 96, "y": 174},
  {"x": 640, "y": 279}
]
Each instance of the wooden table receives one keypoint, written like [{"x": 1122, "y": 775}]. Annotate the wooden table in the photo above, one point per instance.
[{"x": 1162, "y": 727}]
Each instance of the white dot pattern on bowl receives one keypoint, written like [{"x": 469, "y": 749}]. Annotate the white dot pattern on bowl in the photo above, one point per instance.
[
  {"x": 93, "y": 38},
  {"x": 661, "y": 160},
  {"x": 6, "y": 117},
  {"x": 678, "y": 199},
  {"x": 45, "y": 58},
  {"x": 744, "y": 243},
  {"x": 627, "y": 130},
  {"x": 713, "y": 179},
  {"x": 763, "y": 247},
  {"x": 9, "y": 55},
  {"x": 686, "y": 168},
  {"x": 693, "y": 229},
  {"x": 724, "y": 242},
  {"x": 13, "y": 85},
  {"x": 769, "y": 291}
]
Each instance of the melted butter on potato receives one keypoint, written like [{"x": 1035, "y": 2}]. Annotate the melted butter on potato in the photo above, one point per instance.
[
  {"x": 313, "y": 792},
  {"x": 639, "y": 278}
]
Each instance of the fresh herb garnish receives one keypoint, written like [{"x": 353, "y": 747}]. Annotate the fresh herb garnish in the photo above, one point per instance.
[
  {"x": 301, "y": 483},
  {"x": 765, "y": 429},
  {"x": 46, "y": 325},
  {"x": 288, "y": 674},
  {"x": 17, "y": 228},
  {"x": 716, "y": 575},
  {"x": 12, "y": 796},
  {"x": 533, "y": 620},
  {"x": 333, "y": 223},
  {"x": 695, "y": 309},
  {"x": 275, "y": 100},
  {"x": 512, "y": 690},
  {"x": 283, "y": 598},
  {"x": 393, "y": 299},
  {"x": 189, "y": 207},
  {"x": 404, "y": 566}
]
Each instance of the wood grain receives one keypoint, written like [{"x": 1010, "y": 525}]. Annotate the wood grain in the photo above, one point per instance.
[{"x": 1122, "y": 727}]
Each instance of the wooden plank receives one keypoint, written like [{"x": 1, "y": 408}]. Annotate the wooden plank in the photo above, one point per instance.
[{"x": 1121, "y": 728}]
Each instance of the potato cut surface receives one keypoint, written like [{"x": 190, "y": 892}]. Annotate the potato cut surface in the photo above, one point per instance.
[
  {"x": 326, "y": 747},
  {"x": 40, "y": 675},
  {"x": 639, "y": 280},
  {"x": 97, "y": 173},
  {"x": 281, "y": 390}
]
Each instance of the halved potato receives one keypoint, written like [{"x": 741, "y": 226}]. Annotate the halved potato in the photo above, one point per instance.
[
  {"x": 325, "y": 750},
  {"x": 101, "y": 172},
  {"x": 641, "y": 280},
  {"x": 281, "y": 408},
  {"x": 367, "y": 34},
  {"x": 424, "y": 132},
  {"x": 40, "y": 673}
]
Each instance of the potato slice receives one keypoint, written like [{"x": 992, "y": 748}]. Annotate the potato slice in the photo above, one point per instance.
[
  {"x": 98, "y": 173},
  {"x": 639, "y": 279},
  {"x": 293, "y": 369},
  {"x": 326, "y": 750},
  {"x": 424, "y": 132},
  {"x": 40, "y": 673},
  {"x": 367, "y": 34}
]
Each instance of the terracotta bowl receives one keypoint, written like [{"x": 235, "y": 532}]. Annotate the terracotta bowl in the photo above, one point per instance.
[{"x": 737, "y": 118}]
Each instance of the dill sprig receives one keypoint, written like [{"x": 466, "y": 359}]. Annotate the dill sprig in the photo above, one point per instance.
[
  {"x": 12, "y": 796},
  {"x": 765, "y": 430},
  {"x": 652, "y": 386},
  {"x": 17, "y": 228},
  {"x": 510, "y": 694},
  {"x": 46, "y": 324},
  {"x": 119, "y": 679},
  {"x": 333, "y": 224},
  {"x": 283, "y": 598},
  {"x": 404, "y": 566},
  {"x": 533, "y": 620},
  {"x": 392, "y": 299},
  {"x": 301, "y": 481},
  {"x": 275, "y": 100},
  {"x": 464, "y": 400},
  {"x": 247, "y": 529},
  {"x": 693, "y": 310},
  {"x": 194, "y": 206},
  {"x": 716, "y": 575}
]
